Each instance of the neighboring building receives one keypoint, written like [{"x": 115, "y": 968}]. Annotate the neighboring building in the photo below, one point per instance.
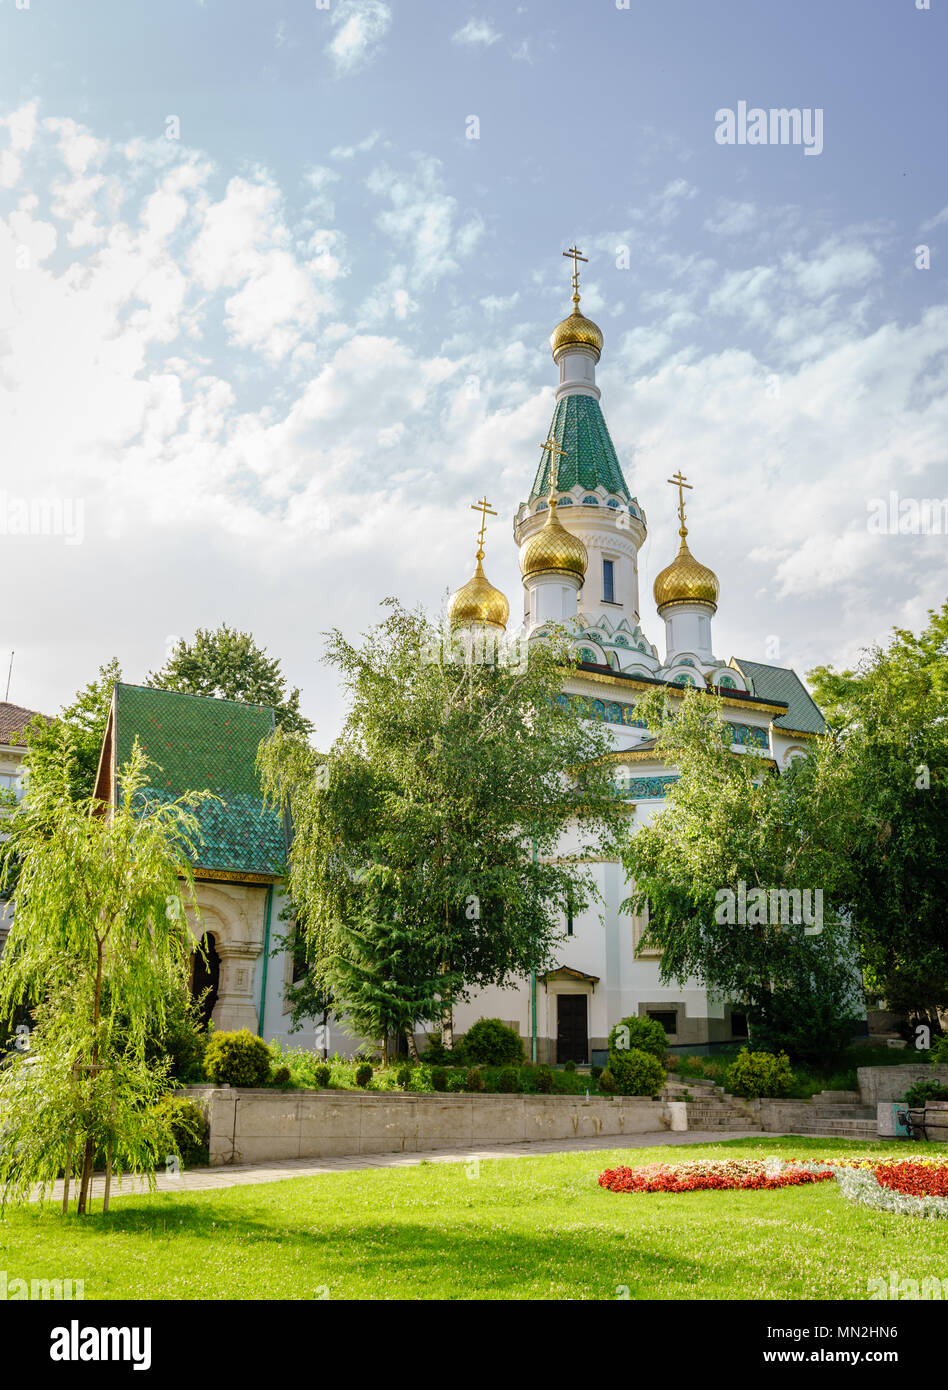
[
  {"x": 13, "y": 722},
  {"x": 201, "y": 743}
]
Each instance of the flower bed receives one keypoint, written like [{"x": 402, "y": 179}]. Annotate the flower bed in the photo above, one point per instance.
[
  {"x": 909, "y": 1187},
  {"x": 744, "y": 1174}
]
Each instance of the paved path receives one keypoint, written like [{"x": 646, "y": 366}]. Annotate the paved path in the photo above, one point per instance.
[{"x": 244, "y": 1174}]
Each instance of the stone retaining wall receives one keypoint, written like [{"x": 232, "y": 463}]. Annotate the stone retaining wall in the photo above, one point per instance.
[
  {"x": 891, "y": 1083},
  {"x": 252, "y": 1126}
]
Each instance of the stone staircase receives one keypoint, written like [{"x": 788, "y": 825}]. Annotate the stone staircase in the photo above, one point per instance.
[
  {"x": 710, "y": 1107},
  {"x": 830, "y": 1114}
]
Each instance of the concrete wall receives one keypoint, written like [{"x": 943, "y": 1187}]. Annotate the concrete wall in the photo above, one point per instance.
[
  {"x": 891, "y": 1083},
  {"x": 252, "y": 1126}
]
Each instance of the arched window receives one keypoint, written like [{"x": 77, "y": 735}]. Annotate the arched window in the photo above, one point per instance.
[
  {"x": 612, "y": 503},
  {"x": 727, "y": 682},
  {"x": 590, "y": 501},
  {"x": 589, "y": 656}
]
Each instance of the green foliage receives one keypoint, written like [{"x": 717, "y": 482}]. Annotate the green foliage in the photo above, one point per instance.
[
  {"x": 321, "y": 1076},
  {"x": 646, "y": 1034},
  {"x": 939, "y": 1051},
  {"x": 607, "y": 1082},
  {"x": 755, "y": 1074},
  {"x": 729, "y": 822},
  {"x": 83, "y": 724},
  {"x": 457, "y": 1081},
  {"x": 363, "y": 1074},
  {"x": 636, "y": 1073},
  {"x": 474, "y": 1080},
  {"x": 544, "y": 1080},
  {"x": 280, "y": 1077},
  {"x": 569, "y": 1065},
  {"x": 806, "y": 1016},
  {"x": 188, "y": 1127},
  {"x": 100, "y": 939},
  {"x": 890, "y": 718},
  {"x": 508, "y": 1082},
  {"x": 439, "y": 1079},
  {"x": 229, "y": 664},
  {"x": 489, "y": 1040},
  {"x": 403, "y": 1078},
  {"x": 239, "y": 1058},
  {"x": 922, "y": 1091},
  {"x": 595, "y": 1072},
  {"x": 441, "y": 765}
]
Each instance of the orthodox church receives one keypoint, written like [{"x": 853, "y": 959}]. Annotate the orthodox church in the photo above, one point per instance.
[{"x": 578, "y": 534}]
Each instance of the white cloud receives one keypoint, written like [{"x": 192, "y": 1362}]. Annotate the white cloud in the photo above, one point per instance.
[
  {"x": 423, "y": 220},
  {"x": 477, "y": 31},
  {"x": 350, "y": 151},
  {"x": 361, "y": 25}
]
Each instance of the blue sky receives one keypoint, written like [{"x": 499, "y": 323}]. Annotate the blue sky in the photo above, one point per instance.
[{"x": 277, "y": 357}]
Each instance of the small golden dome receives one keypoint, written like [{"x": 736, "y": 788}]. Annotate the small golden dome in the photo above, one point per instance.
[
  {"x": 685, "y": 580},
  {"x": 478, "y": 603},
  {"x": 576, "y": 331},
  {"x": 554, "y": 548}
]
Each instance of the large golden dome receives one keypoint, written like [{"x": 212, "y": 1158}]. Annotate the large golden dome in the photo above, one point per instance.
[
  {"x": 554, "y": 548},
  {"x": 576, "y": 331},
  {"x": 478, "y": 603},
  {"x": 685, "y": 580}
]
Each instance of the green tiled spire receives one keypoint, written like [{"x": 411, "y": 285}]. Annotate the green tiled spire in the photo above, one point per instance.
[
  {"x": 206, "y": 744},
  {"x": 591, "y": 460}
]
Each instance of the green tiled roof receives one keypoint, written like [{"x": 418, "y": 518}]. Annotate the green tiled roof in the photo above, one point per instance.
[
  {"x": 205, "y": 744},
  {"x": 780, "y": 683},
  {"x": 591, "y": 460}
]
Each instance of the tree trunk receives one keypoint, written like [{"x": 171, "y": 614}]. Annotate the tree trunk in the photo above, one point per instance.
[
  {"x": 89, "y": 1156},
  {"x": 67, "y": 1173},
  {"x": 412, "y": 1045}
]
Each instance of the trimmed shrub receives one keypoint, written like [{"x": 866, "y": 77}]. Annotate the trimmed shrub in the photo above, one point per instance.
[
  {"x": 922, "y": 1091},
  {"x": 363, "y": 1074},
  {"x": 474, "y": 1080},
  {"x": 188, "y": 1126},
  {"x": 544, "y": 1080},
  {"x": 607, "y": 1083},
  {"x": 595, "y": 1072},
  {"x": 439, "y": 1079},
  {"x": 280, "y": 1077},
  {"x": 237, "y": 1059},
  {"x": 456, "y": 1082},
  {"x": 491, "y": 1041},
  {"x": 436, "y": 1053},
  {"x": 508, "y": 1082},
  {"x": 570, "y": 1065},
  {"x": 644, "y": 1034},
  {"x": 403, "y": 1078},
  {"x": 322, "y": 1074},
  {"x": 754, "y": 1074},
  {"x": 637, "y": 1073}
]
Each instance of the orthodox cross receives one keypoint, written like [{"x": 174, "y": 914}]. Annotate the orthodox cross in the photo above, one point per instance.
[
  {"x": 554, "y": 449},
  {"x": 576, "y": 256},
  {"x": 679, "y": 482},
  {"x": 486, "y": 510}
]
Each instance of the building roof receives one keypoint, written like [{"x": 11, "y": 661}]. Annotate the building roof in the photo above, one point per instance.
[
  {"x": 780, "y": 683},
  {"x": 13, "y": 720},
  {"x": 201, "y": 743},
  {"x": 579, "y": 428}
]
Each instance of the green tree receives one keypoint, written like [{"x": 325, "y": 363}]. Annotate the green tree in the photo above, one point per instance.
[
  {"x": 890, "y": 718},
  {"x": 100, "y": 939},
  {"x": 230, "y": 665},
  {"x": 448, "y": 772},
  {"x": 84, "y": 720},
  {"x": 730, "y": 821}
]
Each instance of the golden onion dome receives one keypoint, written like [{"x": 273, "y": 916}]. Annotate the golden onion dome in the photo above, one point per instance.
[
  {"x": 686, "y": 580},
  {"x": 576, "y": 331},
  {"x": 554, "y": 548},
  {"x": 478, "y": 603}
]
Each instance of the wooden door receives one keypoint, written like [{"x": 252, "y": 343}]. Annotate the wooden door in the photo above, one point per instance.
[{"x": 572, "y": 1038}]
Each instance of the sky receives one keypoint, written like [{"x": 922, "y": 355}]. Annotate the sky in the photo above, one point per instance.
[{"x": 277, "y": 282}]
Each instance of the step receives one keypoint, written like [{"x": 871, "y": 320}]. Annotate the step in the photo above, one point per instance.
[
  {"x": 845, "y": 1112},
  {"x": 839, "y": 1097},
  {"x": 839, "y": 1129}
]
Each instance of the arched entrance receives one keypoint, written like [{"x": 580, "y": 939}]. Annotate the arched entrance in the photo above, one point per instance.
[{"x": 206, "y": 975}]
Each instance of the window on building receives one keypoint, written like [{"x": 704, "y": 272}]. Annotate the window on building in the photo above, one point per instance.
[
  {"x": 569, "y": 915},
  {"x": 300, "y": 963},
  {"x": 668, "y": 1019},
  {"x": 608, "y": 581},
  {"x": 739, "y": 1025}
]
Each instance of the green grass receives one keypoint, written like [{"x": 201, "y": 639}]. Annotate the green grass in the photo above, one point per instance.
[{"x": 537, "y": 1228}]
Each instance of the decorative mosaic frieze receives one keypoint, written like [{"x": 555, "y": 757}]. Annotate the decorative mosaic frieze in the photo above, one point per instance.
[
  {"x": 645, "y": 788},
  {"x": 750, "y": 736},
  {"x": 606, "y": 711}
]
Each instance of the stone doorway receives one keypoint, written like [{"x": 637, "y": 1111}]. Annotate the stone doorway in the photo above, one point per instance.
[{"x": 206, "y": 975}]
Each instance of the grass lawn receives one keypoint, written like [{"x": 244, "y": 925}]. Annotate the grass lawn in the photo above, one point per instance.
[{"x": 536, "y": 1228}]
